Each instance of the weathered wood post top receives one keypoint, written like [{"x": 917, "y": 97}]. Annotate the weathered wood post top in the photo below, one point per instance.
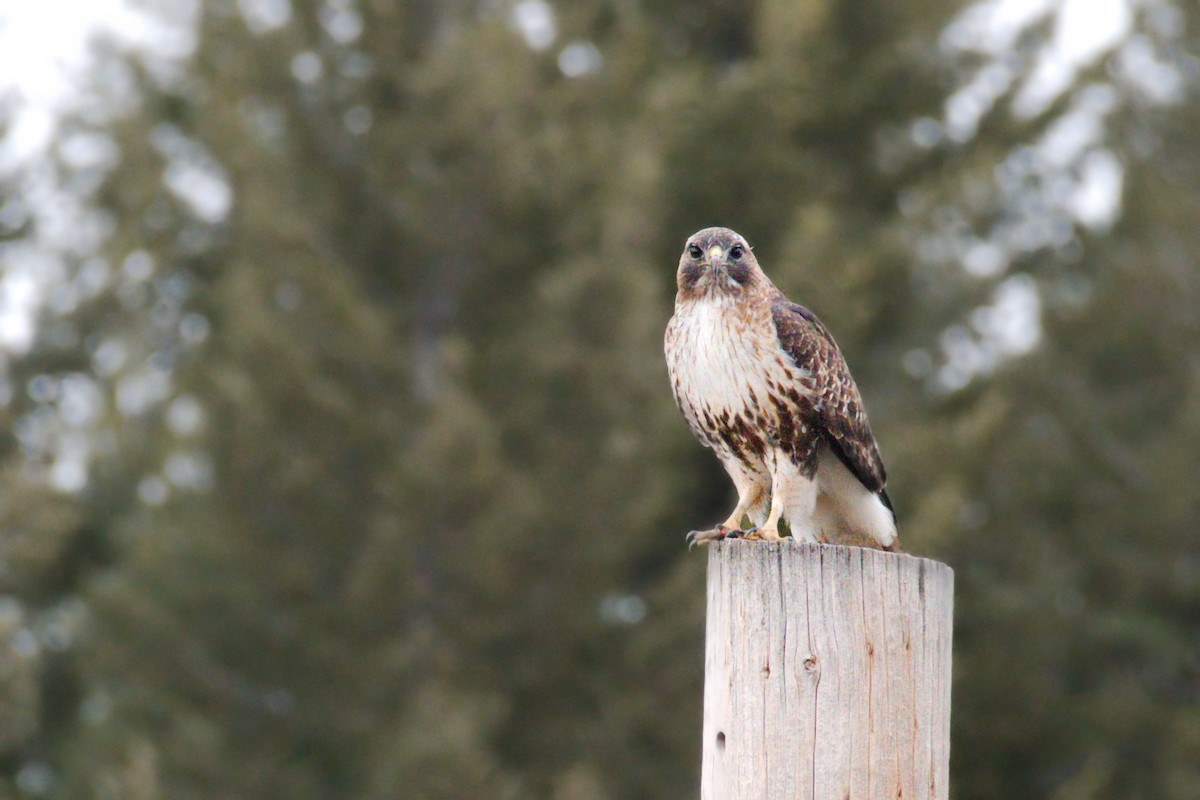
[{"x": 827, "y": 674}]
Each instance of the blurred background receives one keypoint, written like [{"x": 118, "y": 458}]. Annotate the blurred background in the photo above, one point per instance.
[{"x": 338, "y": 455}]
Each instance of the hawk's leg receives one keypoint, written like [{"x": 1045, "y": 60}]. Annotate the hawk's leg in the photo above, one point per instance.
[
  {"x": 769, "y": 530},
  {"x": 750, "y": 497},
  {"x": 793, "y": 495}
]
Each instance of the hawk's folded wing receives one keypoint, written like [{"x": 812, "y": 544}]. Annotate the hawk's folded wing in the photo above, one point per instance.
[{"x": 838, "y": 407}]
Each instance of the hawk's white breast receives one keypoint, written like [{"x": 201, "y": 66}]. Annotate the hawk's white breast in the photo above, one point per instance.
[{"x": 723, "y": 359}]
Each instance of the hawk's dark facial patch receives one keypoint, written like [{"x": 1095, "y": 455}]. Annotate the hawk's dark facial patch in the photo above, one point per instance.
[
  {"x": 728, "y": 265},
  {"x": 739, "y": 272}
]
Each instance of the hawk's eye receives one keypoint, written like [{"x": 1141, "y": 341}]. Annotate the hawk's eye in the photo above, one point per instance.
[
  {"x": 736, "y": 252},
  {"x": 694, "y": 250}
]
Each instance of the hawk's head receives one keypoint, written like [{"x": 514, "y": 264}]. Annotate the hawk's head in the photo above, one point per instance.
[{"x": 716, "y": 262}]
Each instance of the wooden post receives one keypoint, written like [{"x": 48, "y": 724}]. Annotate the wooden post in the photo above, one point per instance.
[{"x": 827, "y": 674}]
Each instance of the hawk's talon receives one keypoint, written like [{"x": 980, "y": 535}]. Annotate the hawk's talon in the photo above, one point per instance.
[
  {"x": 716, "y": 534},
  {"x": 758, "y": 535}
]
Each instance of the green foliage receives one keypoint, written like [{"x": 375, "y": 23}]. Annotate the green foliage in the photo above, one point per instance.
[{"x": 407, "y": 519}]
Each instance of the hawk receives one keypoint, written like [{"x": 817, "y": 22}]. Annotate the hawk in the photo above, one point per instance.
[{"x": 761, "y": 381}]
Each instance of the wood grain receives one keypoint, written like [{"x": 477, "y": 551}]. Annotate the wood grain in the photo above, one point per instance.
[{"x": 827, "y": 674}]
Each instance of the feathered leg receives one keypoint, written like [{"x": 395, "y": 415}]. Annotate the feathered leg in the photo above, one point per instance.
[
  {"x": 793, "y": 497},
  {"x": 752, "y": 499}
]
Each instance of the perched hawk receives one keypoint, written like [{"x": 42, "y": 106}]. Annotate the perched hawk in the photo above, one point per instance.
[{"x": 760, "y": 381}]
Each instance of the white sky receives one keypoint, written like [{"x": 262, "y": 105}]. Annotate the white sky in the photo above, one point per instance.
[
  {"x": 1065, "y": 178},
  {"x": 49, "y": 71},
  {"x": 48, "y": 67}
]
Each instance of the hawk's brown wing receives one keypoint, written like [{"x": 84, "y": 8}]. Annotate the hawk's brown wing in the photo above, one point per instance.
[{"x": 838, "y": 405}]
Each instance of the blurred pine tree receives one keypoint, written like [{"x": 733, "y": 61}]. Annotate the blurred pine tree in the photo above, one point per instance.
[{"x": 387, "y": 492}]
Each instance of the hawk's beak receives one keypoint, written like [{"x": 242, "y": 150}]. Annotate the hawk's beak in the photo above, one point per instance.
[{"x": 716, "y": 255}]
